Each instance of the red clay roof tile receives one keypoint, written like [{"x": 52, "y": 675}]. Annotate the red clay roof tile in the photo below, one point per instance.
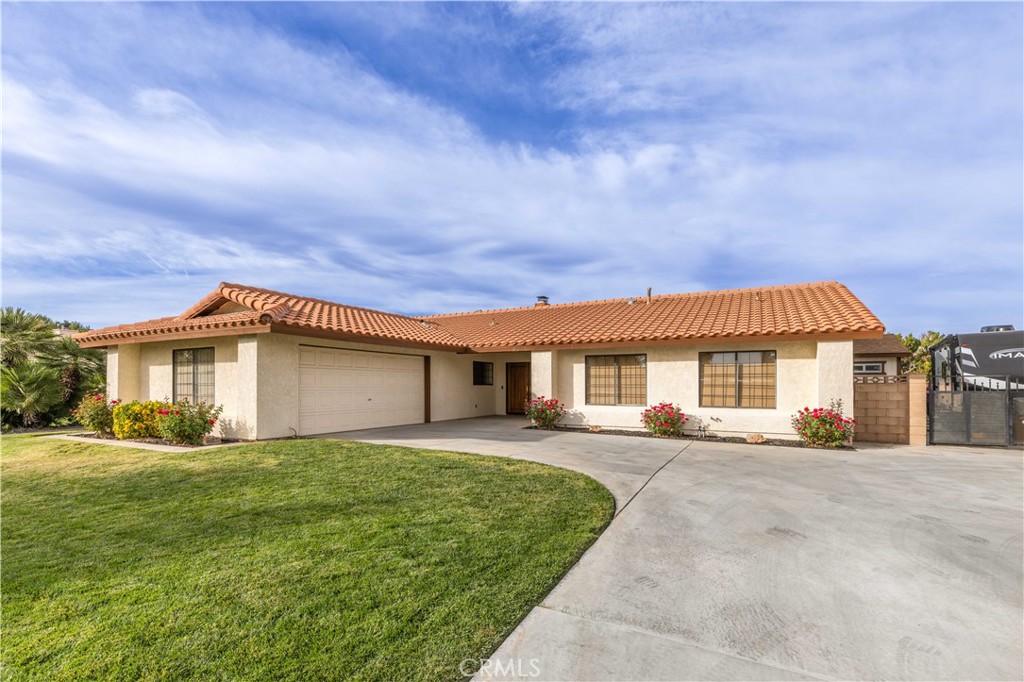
[
  {"x": 805, "y": 309},
  {"x": 269, "y": 307},
  {"x": 811, "y": 309}
]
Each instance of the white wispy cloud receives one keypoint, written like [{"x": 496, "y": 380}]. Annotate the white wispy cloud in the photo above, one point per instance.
[{"x": 150, "y": 151}]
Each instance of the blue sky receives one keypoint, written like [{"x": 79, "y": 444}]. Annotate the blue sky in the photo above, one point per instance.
[{"x": 435, "y": 157}]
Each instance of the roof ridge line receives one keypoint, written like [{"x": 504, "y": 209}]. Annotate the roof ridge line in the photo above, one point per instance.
[
  {"x": 283, "y": 294},
  {"x": 654, "y": 297}
]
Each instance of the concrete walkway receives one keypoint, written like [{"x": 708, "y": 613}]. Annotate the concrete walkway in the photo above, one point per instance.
[{"x": 763, "y": 563}]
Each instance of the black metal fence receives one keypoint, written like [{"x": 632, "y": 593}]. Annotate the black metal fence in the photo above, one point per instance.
[{"x": 975, "y": 411}]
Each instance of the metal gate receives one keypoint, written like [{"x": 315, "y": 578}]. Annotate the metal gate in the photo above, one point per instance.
[{"x": 978, "y": 411}]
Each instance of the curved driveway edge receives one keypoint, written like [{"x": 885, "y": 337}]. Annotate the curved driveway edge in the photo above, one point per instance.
[{"x": 757, "y": 562}]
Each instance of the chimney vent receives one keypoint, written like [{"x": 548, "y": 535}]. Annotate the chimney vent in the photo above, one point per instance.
[
  {"x": 541, "y": 301},
  {"x": 648, "y": 295}
]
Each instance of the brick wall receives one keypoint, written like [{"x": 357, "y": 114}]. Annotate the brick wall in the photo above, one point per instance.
[{"x": 890, "y": 409}]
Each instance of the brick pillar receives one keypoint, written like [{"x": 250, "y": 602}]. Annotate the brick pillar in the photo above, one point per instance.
[{"x": 918, "y": 408}]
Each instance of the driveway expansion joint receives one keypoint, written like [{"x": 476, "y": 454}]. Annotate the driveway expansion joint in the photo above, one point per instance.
[{"x": 651, "y": 478}]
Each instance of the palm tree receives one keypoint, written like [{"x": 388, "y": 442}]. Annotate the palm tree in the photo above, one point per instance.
[
  {"x": 77, "y": 366},
  {"x": 22, "y": 335},
  {"x": 29, "y": 390}
]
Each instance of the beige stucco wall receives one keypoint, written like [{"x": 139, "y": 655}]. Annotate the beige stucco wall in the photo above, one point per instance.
[
  {"x": 835, "y": 374},
  {"x": 806, "y": 375},
  {"x": 156, "y": 379},
  {"x": 257, "y": 382},
  {"x": 452, "y": 393},
  {"x": 243, "y": 421},
  {"x": 123, "y": 372},
  {"x": 544, "y": 373},
  {"x": 256, "y": 379}
]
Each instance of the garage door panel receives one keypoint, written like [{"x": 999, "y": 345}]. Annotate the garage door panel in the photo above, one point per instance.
[
  {"x": 344, "y": 390},
  {"x": 307, "y": 401},
  {"x": 329, "y": 379}
]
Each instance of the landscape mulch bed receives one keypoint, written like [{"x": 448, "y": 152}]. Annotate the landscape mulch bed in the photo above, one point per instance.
[{"x": 711, "y": 439}]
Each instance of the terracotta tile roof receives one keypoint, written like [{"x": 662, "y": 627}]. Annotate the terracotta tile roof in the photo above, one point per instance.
[
  {"x": 281, "y": 311},
  {"x": 169, "y": 326},
  {"x": 802, "y": 309},
  {"x": 889, "y": 344},
  {"x": 795, "y": 310}
]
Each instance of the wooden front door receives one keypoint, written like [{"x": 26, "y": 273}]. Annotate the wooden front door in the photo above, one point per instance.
[{"x": 517, "y": 387}]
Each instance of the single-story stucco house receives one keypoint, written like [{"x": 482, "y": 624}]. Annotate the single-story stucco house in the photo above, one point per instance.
[
  {"x": 738, "y": 361},
  {"x": 879, "y": 357}
]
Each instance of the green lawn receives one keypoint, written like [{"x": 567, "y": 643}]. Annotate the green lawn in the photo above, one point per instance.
[{"x": 301, "y": 559}]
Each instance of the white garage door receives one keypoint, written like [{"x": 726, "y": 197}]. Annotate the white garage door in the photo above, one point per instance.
[{"x": 343, "y": 390}]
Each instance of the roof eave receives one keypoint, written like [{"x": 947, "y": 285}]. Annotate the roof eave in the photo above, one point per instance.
[
  {"x": 889, "y": 353},
  {"x": 692, "y": 341},
  {"x": 297, "y": 330},
  {"x": 155, "y": 336}
]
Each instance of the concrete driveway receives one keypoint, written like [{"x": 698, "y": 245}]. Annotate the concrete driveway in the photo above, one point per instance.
[{"x": 763, "y": 563}]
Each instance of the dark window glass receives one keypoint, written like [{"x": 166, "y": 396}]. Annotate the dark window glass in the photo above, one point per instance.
[
  {"x": 193, "y": 375},
  {"x": 483, "y": 373}
]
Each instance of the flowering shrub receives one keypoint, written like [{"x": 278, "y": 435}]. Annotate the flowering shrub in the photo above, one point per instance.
[
  {"x": 186, "y": 423},
  {"x": 664, "y": 419},
  {"x": 824, "y": 426},
  {"x": 544, "y": 412},
  {"x": 137, "y": 420},
  {"x": 95, "y": 413}
]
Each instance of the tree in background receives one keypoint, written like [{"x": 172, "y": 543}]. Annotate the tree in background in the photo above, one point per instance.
[
  {"x": 79, "y": 368},
  {"x": 71, "y": 324},
  {"x": 22, "y": 335},
  {"x": 29, "y": 390},
  {"x": 920, "y": 359},
  {"x": 44, "y": 373}
]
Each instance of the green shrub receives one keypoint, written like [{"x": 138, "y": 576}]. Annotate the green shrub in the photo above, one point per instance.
[
  {"x": 138, "y": 420},
  {"x": 824, "y": 426},
  {"x": 28, "y": 393},
  {"x": 544, "y": 412},
  {"x": 664, "y": 419},
  {"x": 185, "y": 423},
  {"x": 95, "y": 413}
]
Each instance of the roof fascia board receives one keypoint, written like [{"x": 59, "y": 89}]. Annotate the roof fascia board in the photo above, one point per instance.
[
  {"x": 156, "y": 337},
  {"x": 699, "y": 341},
  {"x": 362, "y": 338}
]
